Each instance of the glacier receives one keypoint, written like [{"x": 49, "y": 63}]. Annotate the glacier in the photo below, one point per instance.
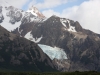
[{"x": 53, "y": 52}]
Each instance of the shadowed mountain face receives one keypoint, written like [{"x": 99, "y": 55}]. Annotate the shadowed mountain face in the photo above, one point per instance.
[
  {"x": 82, "y": 47},
  {"x": 20, "y": 54}
]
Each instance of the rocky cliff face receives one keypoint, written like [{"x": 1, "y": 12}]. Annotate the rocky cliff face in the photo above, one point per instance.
[
  {"x": 80, "y": 45},
  {"x": 20, "y": 54}
]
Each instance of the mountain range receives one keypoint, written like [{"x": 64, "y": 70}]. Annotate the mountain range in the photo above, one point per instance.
[{"x": 55, "y": 43}]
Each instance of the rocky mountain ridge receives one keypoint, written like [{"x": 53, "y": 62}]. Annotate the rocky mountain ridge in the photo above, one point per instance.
[
  {"x": 12, "y": 17},
  {"x": 78, "y": 43}
]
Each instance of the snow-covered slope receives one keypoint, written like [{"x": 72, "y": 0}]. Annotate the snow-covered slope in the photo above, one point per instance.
[
  {"x": 53, "y": 52},
  {"x": 11, "y": 17}
]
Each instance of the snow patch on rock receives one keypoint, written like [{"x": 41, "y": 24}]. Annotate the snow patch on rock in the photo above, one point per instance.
[
  {"x": 29, "y": 36},
  {"x": 64, "y": 21},
  {"x": 71, "y": 28}
]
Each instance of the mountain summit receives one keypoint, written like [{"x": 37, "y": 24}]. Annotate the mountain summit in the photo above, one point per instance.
[
  {"x": 35, "y": 12},
  {"x": 12, "y": 17}
]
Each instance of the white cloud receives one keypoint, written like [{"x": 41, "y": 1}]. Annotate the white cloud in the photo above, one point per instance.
[
  {"x": 15, "y": 3},
  {"x": 87, "y": 13},
  {"x": 33, "y": 2},
  {"x": 48, "y": 3},
  {"x": 50, "y": 12}
]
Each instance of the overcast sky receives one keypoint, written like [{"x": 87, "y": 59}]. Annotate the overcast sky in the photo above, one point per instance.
[{"x": 87, "y": 12}]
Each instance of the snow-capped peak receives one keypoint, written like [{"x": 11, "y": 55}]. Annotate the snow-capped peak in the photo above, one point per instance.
[
  {"x": 35, "y": 12},
  {"x": 12, "y": 17}
]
